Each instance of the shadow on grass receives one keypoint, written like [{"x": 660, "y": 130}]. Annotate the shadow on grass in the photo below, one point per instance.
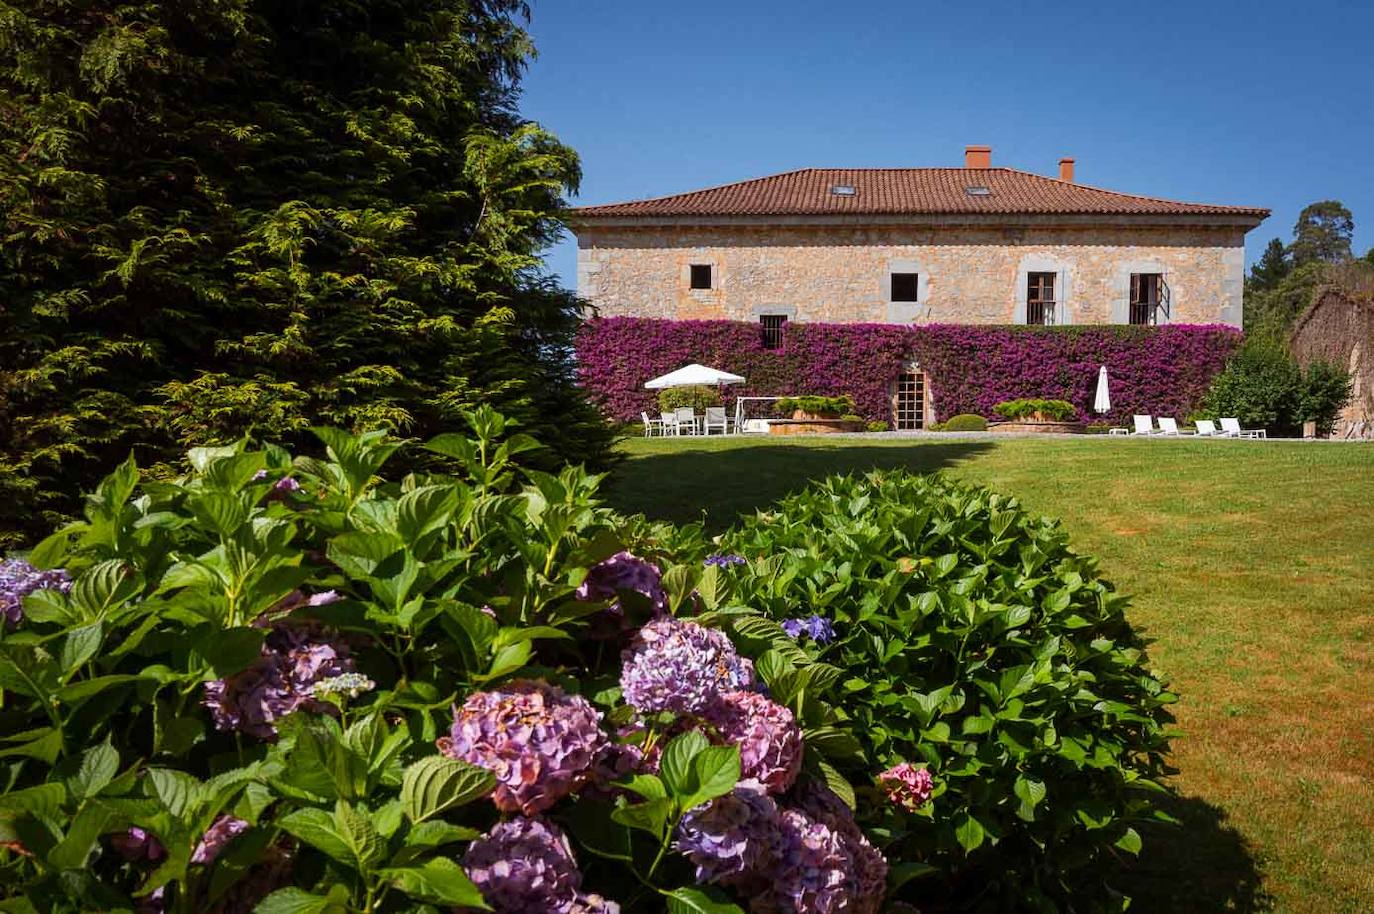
[
  {"x": 682, "y": 486},
  {"x": 1203, "y": 865}
]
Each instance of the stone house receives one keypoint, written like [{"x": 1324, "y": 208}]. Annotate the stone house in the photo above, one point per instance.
[
  {"x": 970, "y": 245},
  {"x": 914, "y": 245}
]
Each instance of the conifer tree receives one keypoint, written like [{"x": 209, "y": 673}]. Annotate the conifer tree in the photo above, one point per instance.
[{"x": 253, "y": 216}]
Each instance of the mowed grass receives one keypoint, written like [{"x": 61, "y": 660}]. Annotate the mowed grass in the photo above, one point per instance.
[{"x": 1251, "y": 566}]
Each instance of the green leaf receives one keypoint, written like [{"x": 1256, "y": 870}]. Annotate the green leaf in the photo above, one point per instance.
[
  {"x": 99, "y": 765},
  {"x": 507, "y": 660},
  {"x": 230, "y": 650},
  {"x": 39, "y": 800},
  {"x": 715, "y": 770},
  {"x": 318, "y": 829},
  {"x": 437, "y": 783},
  {"x": 440, "y": 881},
  {"x": 675, "y": 766},
  {"x": 692, "y": 900},
  {"x": 436, "y": 834},
  {"x": 650, "y": 816},
  {"x": 968, "y": 831},
  {"x": 1129, "y": 841},
  {"x": 104, "y": 586},
  {"x": 298, "y": 901},
  {"x": 647, "y": 786},
  {"x": 1030, "y": 792},
  {"x": 357, "y": 830},
  {"x": 80, "y": 645}
]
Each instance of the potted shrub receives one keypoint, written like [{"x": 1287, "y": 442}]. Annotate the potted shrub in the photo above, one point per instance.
[
  {"x": 1035, "y": 415},
  {"x": 817, "y": 407}
]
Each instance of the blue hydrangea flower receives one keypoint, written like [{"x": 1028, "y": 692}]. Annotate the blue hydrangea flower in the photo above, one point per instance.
[
  {"x": 818, "y": 628},
  {"x": 725, "y": 560}
]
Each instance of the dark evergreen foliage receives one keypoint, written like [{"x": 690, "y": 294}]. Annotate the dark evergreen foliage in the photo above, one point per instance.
[{"x": 250, "y": 217}]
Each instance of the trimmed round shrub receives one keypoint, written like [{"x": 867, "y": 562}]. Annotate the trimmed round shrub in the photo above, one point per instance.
[
  {"x": 964, "y": 422},
  {"x": 964, "y": 637},
  {"x": 877, "y": 425},
  {"x": 697, "y": 396}
]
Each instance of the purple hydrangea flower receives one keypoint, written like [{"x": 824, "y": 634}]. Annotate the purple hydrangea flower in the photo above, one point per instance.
[
  {"x": 541, "y": 742},
  {"x": 281, "y": 486},
  {"x": 624, "y": 571},
  {"x": 680, "y": 666},
  {"x": 18, "y": 579},
  {"x": 864, "y": 867},
  {"x": 138, "y": 844},
  {"x": 223, "y": 830},
  {"x": 524, "y": 865},
  {"x": 593, "y": 904},
  {"x": 817, "y": 628},
  {"x": 281, "y": 681},
  {"x": 769, "y": 740},
  {"x": 725, "y": 559},
  {"x": 733, "y": 839},
  {"x": 813, "y": 874}
]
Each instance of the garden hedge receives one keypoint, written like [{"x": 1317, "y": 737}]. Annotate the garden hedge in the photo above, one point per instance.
[{"x": 1157, "y": 370}]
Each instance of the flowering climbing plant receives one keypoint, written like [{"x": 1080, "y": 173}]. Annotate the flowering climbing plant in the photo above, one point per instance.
[{"x": 292, "y": 685}]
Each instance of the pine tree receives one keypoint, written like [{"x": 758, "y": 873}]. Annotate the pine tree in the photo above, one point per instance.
[
  {"x": 1271, "y": 268},
  {"x": 248, "y": 217},
  {"x": 1322, "y": 234}
]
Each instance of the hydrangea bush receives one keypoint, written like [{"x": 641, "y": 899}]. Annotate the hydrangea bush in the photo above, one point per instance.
[
  {"x": 291, "y": 685},
  {"x": 989, "y": 675},
  {"x": 1163, "y": 371}
]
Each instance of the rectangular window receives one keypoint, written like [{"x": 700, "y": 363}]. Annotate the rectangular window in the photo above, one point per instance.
[
  {"x": 771, "y": 325},
  {"x": 1040, "y": 300},
  {"x": 701, "y": 276},
  {"x": 1147, "y": 293},
  {"x": 905, "y": 286}
]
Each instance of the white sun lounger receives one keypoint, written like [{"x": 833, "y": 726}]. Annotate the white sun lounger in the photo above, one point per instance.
[{"x": 1231, "y": 429}]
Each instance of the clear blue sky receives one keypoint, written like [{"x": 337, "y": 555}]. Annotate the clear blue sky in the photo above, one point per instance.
[{"x": 1252, "y": 103}]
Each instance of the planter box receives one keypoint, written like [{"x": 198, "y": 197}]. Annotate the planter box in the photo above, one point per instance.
[
  {"x": 1046, "y": 427},
  {"x": 815, "y": 426}
]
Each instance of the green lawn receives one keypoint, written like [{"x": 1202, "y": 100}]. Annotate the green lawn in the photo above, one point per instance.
[{"x": 1252, "y": 570}]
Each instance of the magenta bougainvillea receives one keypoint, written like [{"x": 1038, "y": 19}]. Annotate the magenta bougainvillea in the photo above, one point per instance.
[{"x": 1163, "y": 371}]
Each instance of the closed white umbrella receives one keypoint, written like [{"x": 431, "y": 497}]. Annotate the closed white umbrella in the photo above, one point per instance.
[
  {"x": 693, "y": 374},
  {"x": 1102, "y": 403}
]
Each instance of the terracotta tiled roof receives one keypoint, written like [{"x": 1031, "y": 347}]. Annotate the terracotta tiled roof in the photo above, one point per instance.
[{"x": 908, "y": 191}]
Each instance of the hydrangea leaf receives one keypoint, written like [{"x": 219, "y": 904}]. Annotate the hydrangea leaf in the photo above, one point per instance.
[{"x": 437, "y": 783}]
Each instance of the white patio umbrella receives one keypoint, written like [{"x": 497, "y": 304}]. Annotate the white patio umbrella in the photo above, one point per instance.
[
  {"x": 693, "y": 374},
  {"x": 1102, "y": 403}
]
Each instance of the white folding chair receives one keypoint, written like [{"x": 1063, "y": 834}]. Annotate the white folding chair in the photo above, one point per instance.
[
  {"x": 651, "y": 425},
  {"x": 715, "y": 418},
  {"x": 669, "y": 422},
  {"x": 686, "y": 421}
]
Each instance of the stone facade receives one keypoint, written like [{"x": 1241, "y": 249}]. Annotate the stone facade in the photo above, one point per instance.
[
  {"x": 972, "y": 274},
  {"x": 1339, "y": 327}
]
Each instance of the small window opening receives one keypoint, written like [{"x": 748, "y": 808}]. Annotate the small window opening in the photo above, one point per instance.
[
  {"x": 701, "y": 276},
  {"x": 977, "y": 190},
  {"x": 771, "y": 326},
  {"x": 842, "y": 190},
  {"x": 905, "y": 286},
  {"x": 1040, "y": 300},
  {"x": 1147, "y": 295}
]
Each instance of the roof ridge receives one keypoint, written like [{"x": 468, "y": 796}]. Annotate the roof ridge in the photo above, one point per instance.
[{"x": 702, "y": 190}]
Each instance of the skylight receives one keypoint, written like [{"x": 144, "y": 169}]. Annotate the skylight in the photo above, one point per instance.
[
  {"x": 977, "y": 190},
  {"x": 842, "y": 190}
]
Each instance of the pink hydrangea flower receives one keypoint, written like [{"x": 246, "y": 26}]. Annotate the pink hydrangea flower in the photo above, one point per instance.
[
  {"x": 540, "y": 742},
  {"x": 907, "y": 785},
  {"x": 733, "y": 839},
  {"x": 769, "y": 740},
  {"x": 624, "y": 571}
]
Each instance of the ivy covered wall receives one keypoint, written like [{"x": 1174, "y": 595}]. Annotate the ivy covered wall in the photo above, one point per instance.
[{"x": 1157, "y": 370}]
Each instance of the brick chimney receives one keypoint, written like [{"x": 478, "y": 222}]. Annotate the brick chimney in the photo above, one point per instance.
[
  {"x": 1066, "y": 170},
  {"x": 977, "y": 156}
]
